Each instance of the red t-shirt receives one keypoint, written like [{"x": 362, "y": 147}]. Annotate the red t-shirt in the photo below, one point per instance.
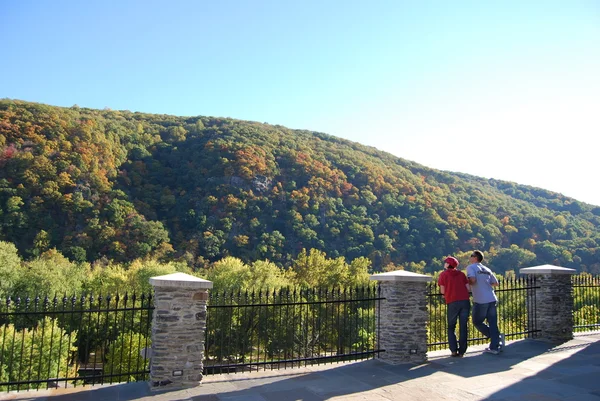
[{"x": 455, "y": 288}]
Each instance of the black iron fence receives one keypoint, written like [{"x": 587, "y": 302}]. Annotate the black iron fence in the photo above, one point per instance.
[
  {"x": 516, "y": 313},
  {"x": 290, "y": 327},
  {"x": 586, "y": 302},
  {"x": 69, "y": 341}
]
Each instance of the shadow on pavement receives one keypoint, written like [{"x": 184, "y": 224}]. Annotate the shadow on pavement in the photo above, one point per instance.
[{"x": 576, "y": 377}]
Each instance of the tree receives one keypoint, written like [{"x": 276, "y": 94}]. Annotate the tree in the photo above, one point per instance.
[
  {"x": 267, "y": 275},
  {"x": 9, "y": 268},
  {"x": 314, "y": 269},
  {"x": 125, "y": 356},
  {"x": 271, "y": 245},
  {"x": 229, "y": 274},
  {"x": 109, "y": 280},
  {"x": 41, "y": 352},
  {"x": 50, "y": 274},
  {"x": 547, "y": 252},
  {"x": 359, "y": 272},
  {"x": 140, "y": 272},
  {"x": 41, "y": 243},
  {"x": 512, "y": 258}
]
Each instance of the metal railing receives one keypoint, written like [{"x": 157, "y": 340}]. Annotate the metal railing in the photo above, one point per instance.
[
  {"x": 69, "y": 341},
  {"x": 516, "y": 313},
  {"x": 290, "y": 327},
  {"x": 586, "y": 302}
]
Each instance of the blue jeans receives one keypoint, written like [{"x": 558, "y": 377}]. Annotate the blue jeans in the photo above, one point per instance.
[
  {"x": 458, "y": 310},
  {"x": 487, "y": 312}
]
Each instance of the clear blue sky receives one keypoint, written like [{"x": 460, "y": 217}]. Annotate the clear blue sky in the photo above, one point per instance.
[{"x": 509, "y": 90}]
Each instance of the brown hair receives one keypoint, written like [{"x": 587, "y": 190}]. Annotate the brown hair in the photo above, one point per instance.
[{"x": 478, "y": 255}]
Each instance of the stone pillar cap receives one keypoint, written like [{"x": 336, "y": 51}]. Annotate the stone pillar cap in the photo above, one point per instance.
[
  {"x": 400, "y": 275},
  {"x": 180, "y": 280},
  {"x": 547, "y": 269}
]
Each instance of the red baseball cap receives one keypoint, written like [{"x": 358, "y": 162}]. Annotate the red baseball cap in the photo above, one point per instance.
[{"x": 451, "y": 261}]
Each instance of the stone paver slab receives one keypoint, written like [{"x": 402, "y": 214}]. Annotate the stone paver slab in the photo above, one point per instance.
[
  {"x": 296, "y": 395},
  {"x": 243, "y": 397}
]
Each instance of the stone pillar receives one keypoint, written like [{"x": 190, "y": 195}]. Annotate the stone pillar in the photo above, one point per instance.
[
  {"x": 178, "y": 326},
  {"x": 403, "y": 314},
  {"x": 553, "y": 302}
]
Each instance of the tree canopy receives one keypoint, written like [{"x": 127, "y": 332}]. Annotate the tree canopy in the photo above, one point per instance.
[{"x": 122, "y": 186}]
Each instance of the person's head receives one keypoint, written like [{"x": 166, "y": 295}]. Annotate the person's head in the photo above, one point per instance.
[
  {"x": 451, "y": 262},
  {"x": 476, "y": 256}
]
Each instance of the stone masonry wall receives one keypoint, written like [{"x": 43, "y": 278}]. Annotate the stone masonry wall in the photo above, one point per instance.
[
  {"x": 178, "y": 337},
  {"x": 554, "y": 301},
  {"x": 403, "y": 327}
]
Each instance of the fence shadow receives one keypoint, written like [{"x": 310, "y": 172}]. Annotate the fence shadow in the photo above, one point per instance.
[{"x": 322, "y": 383}]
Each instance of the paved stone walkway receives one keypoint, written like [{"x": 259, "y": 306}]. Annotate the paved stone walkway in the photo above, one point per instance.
[{"x": 527, "y": 370}]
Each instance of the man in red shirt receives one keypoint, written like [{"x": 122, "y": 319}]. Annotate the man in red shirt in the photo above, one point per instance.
[{"x": 455, "y": 287}]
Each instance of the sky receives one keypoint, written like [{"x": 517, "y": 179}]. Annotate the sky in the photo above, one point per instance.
[{"x": 497, "y": 89}]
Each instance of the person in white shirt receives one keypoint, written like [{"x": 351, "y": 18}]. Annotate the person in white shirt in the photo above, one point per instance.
[{"x": 483, "y": 281}]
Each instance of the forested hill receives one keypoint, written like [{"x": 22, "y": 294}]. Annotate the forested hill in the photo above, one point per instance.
[{"x": 122, "y": 185}]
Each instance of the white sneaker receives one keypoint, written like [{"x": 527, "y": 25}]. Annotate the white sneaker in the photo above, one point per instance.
[{"x": 491, "y": 351}]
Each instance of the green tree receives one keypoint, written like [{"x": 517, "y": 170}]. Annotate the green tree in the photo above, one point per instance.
[
  {"x": 140, "y": 272},
  {"x": 314, "y": 269},
  {"x": 125, "y": 355},
  {"x": 50, "y": 274},
  {"x": 228, "y": 273},
  {"x": 109, "y": 280},
  {"x": 359, "y": 272},
  {"x": 38, "y": 353},
  {"x": 512, "y": 258},
  {"x": 10, "y": 263},
  {"x": 41, "y": 243},
  {"x": 267, "y": 275}
]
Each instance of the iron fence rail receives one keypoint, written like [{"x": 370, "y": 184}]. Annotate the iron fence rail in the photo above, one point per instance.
[
  {"x": 586, "y": 302},
  {"x": 516, "y": 313},
  {"x": 73, "y": 340},
  {"x": 290, "y": 327}
]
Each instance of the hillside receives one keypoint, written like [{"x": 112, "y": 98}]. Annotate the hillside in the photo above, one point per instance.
[{"x": 123, "y": 185}]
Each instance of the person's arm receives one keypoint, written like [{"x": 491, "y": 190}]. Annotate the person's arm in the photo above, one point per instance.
[
  {"x": 471, "y": 276},
  {"x": 441, "y": 282},
  {"x": 493, "y": 280},
  {"x": 466, "y": 282}
]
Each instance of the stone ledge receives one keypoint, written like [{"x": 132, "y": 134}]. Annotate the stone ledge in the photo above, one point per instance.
[
  {"x": 547, "y": 269},
  {"x": 180, "y": 280},
  {"x": 401, "y": 275}
]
